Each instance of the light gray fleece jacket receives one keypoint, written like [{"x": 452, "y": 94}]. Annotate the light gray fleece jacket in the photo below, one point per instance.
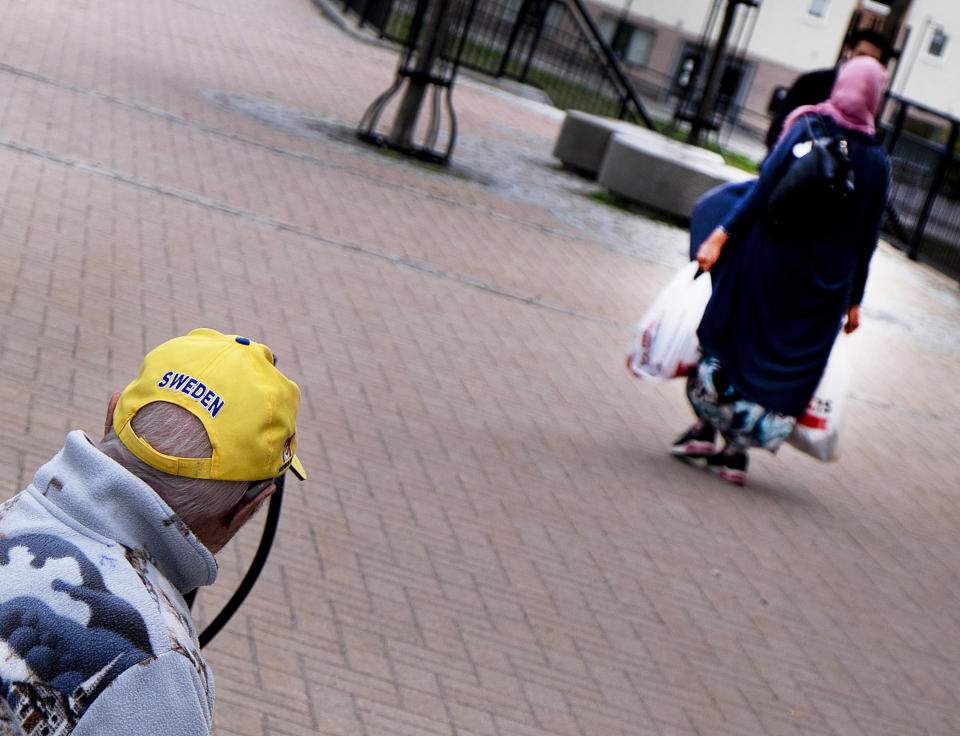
[{"x": 95, "y": 637}]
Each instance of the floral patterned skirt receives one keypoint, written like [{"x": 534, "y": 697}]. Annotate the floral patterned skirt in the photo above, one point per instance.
[{"x": 742, "y": 422}]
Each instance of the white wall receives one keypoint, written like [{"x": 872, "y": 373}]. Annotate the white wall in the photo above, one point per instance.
[
  {"x": 787, "y": 34},
  {"x": 929, "y": 80},
  {"x": 682, "y": 15}
]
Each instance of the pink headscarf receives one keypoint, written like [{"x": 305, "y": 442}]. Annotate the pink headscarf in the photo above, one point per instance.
[{"x": 854, "y": 99}]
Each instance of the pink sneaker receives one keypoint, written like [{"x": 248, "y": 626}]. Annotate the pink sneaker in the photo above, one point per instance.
[
  {"x": 699, "y": 442},
  {"x": 731, "y": 465}
]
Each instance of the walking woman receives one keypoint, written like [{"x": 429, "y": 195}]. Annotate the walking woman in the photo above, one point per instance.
[{"x": 780, "y": 295}]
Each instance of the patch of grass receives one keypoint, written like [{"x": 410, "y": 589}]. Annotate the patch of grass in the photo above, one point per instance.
[
  {"x": 613, "y": 200},
  {"x": 434, "y": 167},
  {"x": 730, "y": 158},
  {"x": 740, "y": 161},
  {"x": 398, "y": 27}
]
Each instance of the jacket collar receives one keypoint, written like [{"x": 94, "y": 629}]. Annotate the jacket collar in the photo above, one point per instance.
[{"x": 107, "y": 499}]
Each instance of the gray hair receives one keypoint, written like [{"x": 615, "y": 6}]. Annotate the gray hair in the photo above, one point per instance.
[{"x": 173, "y": 430}]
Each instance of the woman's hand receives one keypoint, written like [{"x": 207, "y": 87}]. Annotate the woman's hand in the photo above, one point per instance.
[
  {"x": 853, "y": 319},
  {"x": 709, "y": 250}
]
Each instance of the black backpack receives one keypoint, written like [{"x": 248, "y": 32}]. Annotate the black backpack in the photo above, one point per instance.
[{"x": 815, "y": 186}]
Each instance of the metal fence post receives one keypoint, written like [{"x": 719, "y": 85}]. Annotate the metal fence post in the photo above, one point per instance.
[
  {"x": 538, "y": 34},
  {"x": 898, "y": 122},
  {"x": 613, "y": 63},
  {"x": 708, "y": 100},
  {"x": 942, "y": 163},
  {"x": 512, "y": 40}
]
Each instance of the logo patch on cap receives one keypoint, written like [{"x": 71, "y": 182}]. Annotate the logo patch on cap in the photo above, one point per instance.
[{"x": 193, "y": 388}]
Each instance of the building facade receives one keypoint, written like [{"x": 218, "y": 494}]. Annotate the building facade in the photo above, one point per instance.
[
  {"x": 930, "y": 64},
  {"x": 661, "y": 45}
]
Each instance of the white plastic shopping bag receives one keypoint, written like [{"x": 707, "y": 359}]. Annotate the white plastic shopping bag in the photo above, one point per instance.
[
  {"x": 665, "y": 342},
  {"x": 817, "y": 431}
]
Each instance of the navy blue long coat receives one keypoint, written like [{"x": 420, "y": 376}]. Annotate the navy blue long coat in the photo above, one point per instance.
[{"x": 778, "y": 298}]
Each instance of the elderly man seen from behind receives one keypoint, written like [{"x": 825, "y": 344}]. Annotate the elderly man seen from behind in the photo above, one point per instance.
[{"x": 97, "y": 552}]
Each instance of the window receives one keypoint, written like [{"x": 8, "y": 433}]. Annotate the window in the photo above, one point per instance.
[
  {"x": 938, "y": 42},
  {"x": 630, "y": 43},
  {"x": 639, "y": 46},
  {"x": 818, "y": 8}
]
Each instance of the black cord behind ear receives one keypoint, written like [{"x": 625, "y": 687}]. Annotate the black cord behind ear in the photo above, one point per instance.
[{"x": 253, "y": 572}]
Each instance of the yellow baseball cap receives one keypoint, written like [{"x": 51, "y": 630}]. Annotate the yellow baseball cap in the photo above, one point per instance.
[{"x": 229, "y": 383}]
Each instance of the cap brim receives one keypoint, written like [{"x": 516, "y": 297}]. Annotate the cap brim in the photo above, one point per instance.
[{"x": 297, "y": 468}]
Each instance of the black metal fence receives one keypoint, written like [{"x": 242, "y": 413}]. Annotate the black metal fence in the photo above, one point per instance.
[
  {"x": 550, "y": 44},
  {"x": 923, "y": 216}
]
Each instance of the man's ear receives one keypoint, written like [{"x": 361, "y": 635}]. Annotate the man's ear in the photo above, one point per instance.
[{"x": 108, "y": 424}]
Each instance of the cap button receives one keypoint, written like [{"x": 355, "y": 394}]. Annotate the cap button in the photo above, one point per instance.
[{"x": 243, "y": 340}]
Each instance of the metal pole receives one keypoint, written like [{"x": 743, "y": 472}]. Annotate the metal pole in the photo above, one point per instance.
[
  {"x": 898, "y": 122},
  {"x": 538, "y": 34},
  {"x": 712, "y": 84},
  {"x": 897, "y": 55},
  {"x": 613, "y": 64},
  {"x": 511, "y": 42},
  {"x": 434, "y": 36}
]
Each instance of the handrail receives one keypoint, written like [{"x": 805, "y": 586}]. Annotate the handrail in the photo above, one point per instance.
[{"x": 628, "y": 93}]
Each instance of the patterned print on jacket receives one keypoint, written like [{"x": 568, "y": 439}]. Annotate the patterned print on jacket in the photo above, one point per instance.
[{"x": 64, "y": 643}]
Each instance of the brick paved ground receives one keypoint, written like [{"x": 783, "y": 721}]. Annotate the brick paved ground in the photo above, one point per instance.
[{"x": 493, "y": 540}]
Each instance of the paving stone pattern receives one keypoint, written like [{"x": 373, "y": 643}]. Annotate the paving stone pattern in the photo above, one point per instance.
[{"x": 493, "y": 540}]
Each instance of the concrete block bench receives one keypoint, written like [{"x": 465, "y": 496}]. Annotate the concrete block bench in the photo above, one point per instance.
[
  {"x": 583, "y": 140},
  {"x": 662, "y": 173},
  {"x": 639, "y": 164}
]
